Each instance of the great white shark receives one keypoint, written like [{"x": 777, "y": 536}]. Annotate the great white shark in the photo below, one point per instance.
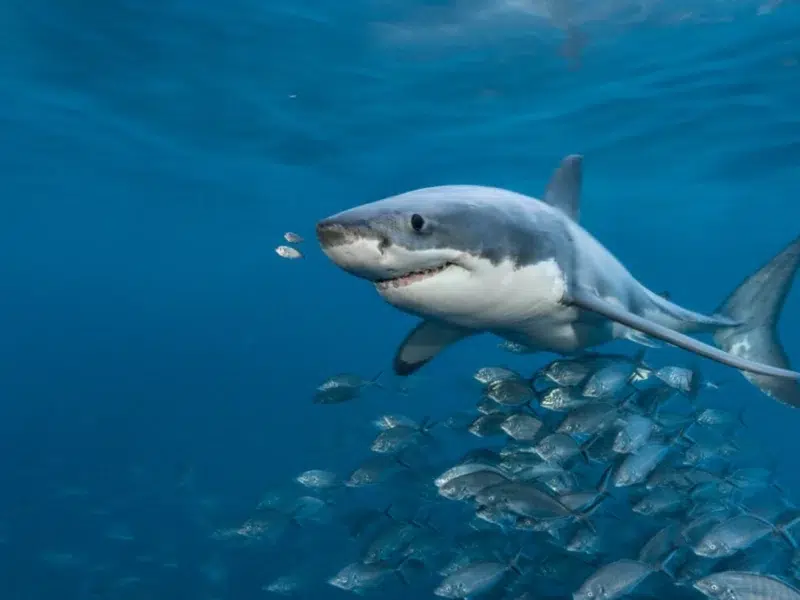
[{"x": 472, "y": 259}]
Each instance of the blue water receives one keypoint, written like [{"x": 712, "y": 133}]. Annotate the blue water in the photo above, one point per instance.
[{"x": 154, "y": 153}]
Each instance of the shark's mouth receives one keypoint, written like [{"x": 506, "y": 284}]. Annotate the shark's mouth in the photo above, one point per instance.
[{"x": 412, "y": 277}]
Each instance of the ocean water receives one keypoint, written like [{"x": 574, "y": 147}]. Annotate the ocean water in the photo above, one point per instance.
[{"x": 154, "y": 154}]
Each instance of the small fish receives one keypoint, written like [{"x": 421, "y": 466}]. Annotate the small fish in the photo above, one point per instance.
[
  {"x": 557, "y": 448},
  {"x": 318, "y": 479},
  {"x": 475, "y": 579},
  {"x": 397, "y": 439},
  {"x": 287, "y": 585},
  {"x": 637, "y": 467},
  {"x": 608, "y": 381},
  {"x": 589, "y": 419},
  {"x": 292, "y": 237},
  {"x": 288, "y": 252},
  {"x": 731, "y": 536},
  {"x": 374, "y": 470},
  {"x": 510, "y": 392},
  {"x": 385, "y": 422},
  {"x": 635, "y": 434},
  {"x": 343, "y": 388},
  {"x": 568, "y": 372},
  {"x": 717, "y": 417},
  {"x": 613, "y": 580},
  {"x": 563, "y": 399},
  {"x": 471, "y": 484},
  {"x": 584, "y": 541},
  {"x": 740, "y": 585},
  {"x": 515, "y": 348},
  {"x": 360, "y": 577},
  {"x": 487, "y": 406},
  {"x": 661, "y": 501},
  {"x": 487, "y": 375},
  {"x": 488, "y": 425},
  {"x": 463, "y": 469},
  {"x": 522, "y": 427},
  {"x": 658, "y": 547}
]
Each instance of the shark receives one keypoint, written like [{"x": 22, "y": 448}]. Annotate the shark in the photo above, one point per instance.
[{"x": 469, "y": 259}]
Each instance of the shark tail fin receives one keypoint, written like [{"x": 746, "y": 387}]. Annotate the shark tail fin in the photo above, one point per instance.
[{"x": 756, "y": 305}]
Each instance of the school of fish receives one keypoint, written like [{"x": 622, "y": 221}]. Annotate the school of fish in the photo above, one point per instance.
[{"x": 594, "y": 478}]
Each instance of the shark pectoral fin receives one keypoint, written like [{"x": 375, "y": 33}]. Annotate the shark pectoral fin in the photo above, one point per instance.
[
  {"x": 591, "y": 302},
  {"x": 564, "y": 190},
  {"x": 424, "y": 342}
]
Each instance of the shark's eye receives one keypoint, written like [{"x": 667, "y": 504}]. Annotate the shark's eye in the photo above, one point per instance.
[{"x": 417, "y": 222}]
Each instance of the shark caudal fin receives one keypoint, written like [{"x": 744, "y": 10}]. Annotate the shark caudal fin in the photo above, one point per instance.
[{"x": 757, "y": 304}]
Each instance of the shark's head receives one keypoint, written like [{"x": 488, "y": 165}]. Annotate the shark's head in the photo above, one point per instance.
[{"x": 439, "y": 252}]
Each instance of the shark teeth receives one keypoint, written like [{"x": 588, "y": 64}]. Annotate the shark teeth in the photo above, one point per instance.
[{"x": 409, "y": 278}]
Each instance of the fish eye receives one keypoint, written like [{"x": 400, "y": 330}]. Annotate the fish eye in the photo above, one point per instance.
[{"x": 417, "y": 222}]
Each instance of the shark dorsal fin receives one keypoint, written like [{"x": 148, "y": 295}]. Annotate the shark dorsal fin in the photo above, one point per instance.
[{"x": 564, "y": 190}]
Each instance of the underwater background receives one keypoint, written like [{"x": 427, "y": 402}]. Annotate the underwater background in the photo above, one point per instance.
[{"x": 158, "y": 360}]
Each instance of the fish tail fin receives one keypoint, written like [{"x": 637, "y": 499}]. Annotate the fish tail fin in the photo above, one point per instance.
[
  {"x": 781, "y": 529},
  {"x": 756, "y": 305},
  {"x": 639, "y": 357},
  {"x": 605, "y": 483},
  {"x": 402, "y": 462},
  {"x": 376, "y": 381},
  {"x": 778, "y": 488},
  {"x": 740, "y": 416},
  {"x": 682, "y": 436},
  {"x": 514, "y": 562},
  {"x": 427, "y": 523},
  {"x": 426, "y": 425},
  {"x": 583, "y": 516},
  {"x": 400, "y": 571},
  {"x": 641, "y": 370},
  {"x": 584, "y": 448},
  {"x": 786, "y": 534},
  {"x": 663, "y": 564},
  {"x": 695, "y": 382}
]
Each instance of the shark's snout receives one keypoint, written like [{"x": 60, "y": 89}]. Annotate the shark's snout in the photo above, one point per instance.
[
  {"x": 330, "y": 233},
  {"x": 356, "y": 248}
]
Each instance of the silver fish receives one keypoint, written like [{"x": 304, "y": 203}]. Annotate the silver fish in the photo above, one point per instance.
[
  {"x": 288, "y": 252},
  {"x": 515, "y": 348},
  {"x": 522, "y": 427},
  {"x": 472, "y": 580},
  {"x": 557, "y": 448},
  {"x": 464, "y": 469},
  {"x": 637, "y": 467},
  {"x": 613, "y": 580},
  {"x": 741, "y": 585},
  {"x": 487, "y": 375},
  {"x": 563, "y": 399},
  {"x": 510, "y": 392},
  {"x": 471, "y": 484},
  {"x": 318, "y": 479},
  {"x": 660, "y": 501},
  {"x": 633, "y": 435},
  {"x": 731, "y": 536},
  {"x": 589, "y": 419},
  {"x": 292, "y": 238}
]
